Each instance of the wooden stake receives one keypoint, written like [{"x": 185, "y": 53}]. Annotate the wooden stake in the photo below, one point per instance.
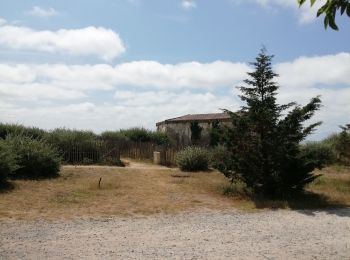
[{"x": 99, "y": 183}]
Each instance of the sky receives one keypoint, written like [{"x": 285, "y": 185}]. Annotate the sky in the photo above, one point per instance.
[{"x": 112, "y": 64}]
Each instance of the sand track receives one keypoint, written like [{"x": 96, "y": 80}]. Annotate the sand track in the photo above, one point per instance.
[{"x": 279, "y": 234}]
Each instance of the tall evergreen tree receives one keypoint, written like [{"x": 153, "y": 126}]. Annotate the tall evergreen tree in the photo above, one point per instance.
[{"x": 263, "y": 144}]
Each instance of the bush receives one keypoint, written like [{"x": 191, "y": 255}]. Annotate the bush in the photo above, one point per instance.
[
  {"x": 114, "y": 137},
  {"x": 36, "y": 159},
  {"x": 318, "y": 154},
  {"x": 62, "y": 137},
  {"x": 14, "y": 129},
  {"x": 136, "y": 134},
  {"x": 8, "y": 163},
  {"x": 65, "y": 140},
  {"x": 340, "y": 145},
  {"x": 236, "y": 189},
  {"x": 160, "y": 138},
  {"x": 113, "y": 161},
  {"x": 218, "y": 157},
  {"x": 193, "y": 159}
]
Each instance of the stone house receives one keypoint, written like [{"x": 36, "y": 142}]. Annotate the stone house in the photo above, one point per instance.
[{"x": 193, "y": 129}]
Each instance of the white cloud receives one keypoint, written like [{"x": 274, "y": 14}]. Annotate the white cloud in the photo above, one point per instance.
[
  {"x": 120, "y": 114},
  {"x": 38, "y": 11},
  {"x": 90, "y": 41},
  {"x": 188, "y": 4},
  {"x": 189, "y": 74},
  {"x": 142, "y": 74},
  {"x": 306, "y": 13},
  {"x": 37, "y": 91},
  {"x": 307, "y": 72},
  {"x": 146, "y": 92}
]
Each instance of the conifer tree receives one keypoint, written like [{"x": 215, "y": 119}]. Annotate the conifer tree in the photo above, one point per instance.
[{"x": 263, "y": 143}]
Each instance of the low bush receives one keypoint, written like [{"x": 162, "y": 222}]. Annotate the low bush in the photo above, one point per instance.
[
  {"x": 318, "y": 154},
  {"x": 36, "y": 159},
  {"x": 8, "y": 162},
  {"x": 236, "y": 189},
  {"x": 193, "y": 159},
  {"x": 113, "y": 161}
]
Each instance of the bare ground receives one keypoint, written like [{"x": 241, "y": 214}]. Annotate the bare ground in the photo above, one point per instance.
[
  {"x": 150, "y": 212},
  {"x": 281, "y": 234}
]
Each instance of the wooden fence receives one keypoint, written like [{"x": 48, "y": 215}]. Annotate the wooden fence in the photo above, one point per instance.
[
  {"x": 103, "y": 152},
  {"x": 144, "y": 151},
  {"x": 89, "y": 152}
]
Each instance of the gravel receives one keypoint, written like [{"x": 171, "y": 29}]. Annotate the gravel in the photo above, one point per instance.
[{"x": 280, "y": 234}]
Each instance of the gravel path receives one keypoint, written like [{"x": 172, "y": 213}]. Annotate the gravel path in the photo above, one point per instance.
[{"x": 279, "y": 234}]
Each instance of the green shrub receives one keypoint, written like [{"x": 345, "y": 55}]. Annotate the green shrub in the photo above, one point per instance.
[
  {"x": 61, "y": 137},
  {"x": 236, "y": 189},
  {"x": 136, "y": 134},
  {"x": 8, "y": 162},
  {"x": 193, "y": 159},
  {"x": 114, "y": 137},
  {"x": 340, "y": 145},
  {"x": 160, "y": 138},
  {"x": 318, "y": 154},
  {"x": 36, "y": 159},
  {"x": 218, "y": 157},
  {"x": 15, "y": 129},
  {"x": 65, "y": 140},
  {"x": 113, "y": 161}
]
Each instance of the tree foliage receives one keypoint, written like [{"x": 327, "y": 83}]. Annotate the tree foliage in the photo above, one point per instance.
[
  {"x": 342, "y": 145},
  {"x": 214, "y": 133},
  {"x": 8, "y": 162},
  {"x": 330, "y": 9},
  {"x": 263, "y": 143},
  {"x": 196, "y": 132}
]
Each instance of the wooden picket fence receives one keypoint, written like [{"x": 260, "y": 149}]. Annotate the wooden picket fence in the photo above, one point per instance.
[
  {"x": 91, "y": 152},
  {"x": 144, "y": 151},
  {"x": 101, "y": 152},
  {"x": 137, "y": 150}
]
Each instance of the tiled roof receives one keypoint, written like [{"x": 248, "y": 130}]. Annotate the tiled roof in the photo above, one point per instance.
[{"x": 198, "y": 117}]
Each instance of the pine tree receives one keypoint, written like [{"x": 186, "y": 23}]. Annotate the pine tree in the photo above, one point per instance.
[{"x": 263, "y": 144}]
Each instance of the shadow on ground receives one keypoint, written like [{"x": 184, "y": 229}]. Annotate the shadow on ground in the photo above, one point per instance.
[
  {"x": 307, "y": 203},
  {"x": 6, "y": 187}
]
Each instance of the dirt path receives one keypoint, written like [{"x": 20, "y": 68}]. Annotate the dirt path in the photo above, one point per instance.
[{"x": 279, "y": 234}]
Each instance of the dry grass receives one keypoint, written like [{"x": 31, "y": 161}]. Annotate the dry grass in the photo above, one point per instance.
[
  {"x": 146, "y": 189},
  {"x": 140, "y": 189},
  {"x": 334, "y": 185}
]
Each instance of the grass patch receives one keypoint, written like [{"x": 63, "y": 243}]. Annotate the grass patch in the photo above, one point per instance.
[
  {"x": 149, "y": 189},
  {"x": 237, "y": 189},
  {"x": 138, "y": 189}
]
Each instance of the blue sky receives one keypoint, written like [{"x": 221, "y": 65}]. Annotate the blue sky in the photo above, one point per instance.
[{"x": 114, "y": 64}]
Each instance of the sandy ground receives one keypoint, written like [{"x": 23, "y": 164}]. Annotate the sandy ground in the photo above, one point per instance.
[{"x": 281, "y": 234}]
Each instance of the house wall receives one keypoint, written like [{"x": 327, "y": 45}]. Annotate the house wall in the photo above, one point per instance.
[{"x": 181, "y": 131}]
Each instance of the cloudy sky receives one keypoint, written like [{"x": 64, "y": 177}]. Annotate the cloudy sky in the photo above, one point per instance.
[{"x": 112, "y": 64}]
